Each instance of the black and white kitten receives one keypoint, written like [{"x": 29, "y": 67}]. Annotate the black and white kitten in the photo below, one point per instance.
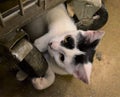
[{"x": 71, "y": 51}]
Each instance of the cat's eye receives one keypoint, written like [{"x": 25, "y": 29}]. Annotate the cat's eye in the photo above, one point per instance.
[{"x": 62, "y": 58}]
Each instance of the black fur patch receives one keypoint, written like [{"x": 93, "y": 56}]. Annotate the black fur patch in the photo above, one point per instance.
[
  {"x": 69, "y": 43},
  {"x": 90, "y": 53},
  {"x": 80, "y": 59},
  {"x": 85, "y": 45}
]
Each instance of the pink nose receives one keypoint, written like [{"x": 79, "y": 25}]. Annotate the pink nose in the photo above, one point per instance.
[{"x": 54, "y": 45}]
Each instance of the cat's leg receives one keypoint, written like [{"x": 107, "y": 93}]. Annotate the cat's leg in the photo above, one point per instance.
[
  {"x": 42, "y": 42},
  {"x": 44, "y": 82}
]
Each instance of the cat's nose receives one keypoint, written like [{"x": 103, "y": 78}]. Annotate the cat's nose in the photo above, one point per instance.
[
  {"x": 50, "y": 43},
  {"x": 53, "y": 45}
]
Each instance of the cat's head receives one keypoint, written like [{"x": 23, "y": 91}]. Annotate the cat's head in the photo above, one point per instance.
[{"x": 74, "y": 51}]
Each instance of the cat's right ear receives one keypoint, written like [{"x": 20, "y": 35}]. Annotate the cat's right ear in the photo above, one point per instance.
[
  {"x": 92, "y": 35},
  {"x": 89, "y": 39}
]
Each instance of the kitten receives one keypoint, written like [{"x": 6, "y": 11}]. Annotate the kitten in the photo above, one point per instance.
[{"x": 73, "y": 50}]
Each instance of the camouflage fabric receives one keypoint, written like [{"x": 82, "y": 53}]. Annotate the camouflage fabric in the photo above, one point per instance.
[{"x": 85, "y": 8}]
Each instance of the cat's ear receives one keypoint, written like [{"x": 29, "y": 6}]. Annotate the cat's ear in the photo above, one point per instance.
[
  {"x": 92, "y": 36},
  {"x": 89, "y": 39}
]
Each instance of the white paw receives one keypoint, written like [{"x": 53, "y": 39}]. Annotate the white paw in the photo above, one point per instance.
[
  {"x": 40, "y": 83},
  {"x": 40, "y": 44}
]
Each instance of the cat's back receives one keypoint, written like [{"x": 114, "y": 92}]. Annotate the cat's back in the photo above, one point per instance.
[{"x": 56, "y": 13}]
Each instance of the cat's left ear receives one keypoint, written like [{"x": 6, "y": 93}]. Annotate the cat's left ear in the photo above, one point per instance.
[{"x": 92, "y": 35}]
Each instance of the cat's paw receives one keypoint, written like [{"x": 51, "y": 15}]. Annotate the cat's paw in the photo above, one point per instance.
[
  {"x": 40, "y": 83},
  {"x": 40, "y": 44}
]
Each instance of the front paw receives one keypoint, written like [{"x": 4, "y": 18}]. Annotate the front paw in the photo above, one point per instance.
[
  {"x": 40, "y": 83},
  {"x": 40, "y": 45}
]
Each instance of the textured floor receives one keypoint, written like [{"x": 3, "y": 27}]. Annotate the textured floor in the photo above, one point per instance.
[{"x": 105, "y": 79}]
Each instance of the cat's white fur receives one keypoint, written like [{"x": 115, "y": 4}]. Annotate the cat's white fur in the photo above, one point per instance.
[
  {"x": 59, "y": 26},
  {"x": 59, "y": 23}
]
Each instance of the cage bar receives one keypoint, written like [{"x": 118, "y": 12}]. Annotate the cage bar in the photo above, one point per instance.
[
  {"x": 21, "y": 7},
  {"x": 39, "y": 2},
  {"x": 1, "y": 20}
]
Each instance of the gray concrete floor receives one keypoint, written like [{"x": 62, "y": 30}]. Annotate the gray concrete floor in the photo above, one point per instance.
[{"x": 105, "y": 79}]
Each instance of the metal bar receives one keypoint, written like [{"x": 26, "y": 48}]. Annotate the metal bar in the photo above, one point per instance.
[
  {"x": 20, "y": 21},
  {"x": 26, "y": 5},
  {"x": 1, "y": 20},
  {"x": 21, "y": 7},
  {"x": 39, "y": 3},
  {"x": 44, "y": 4}
]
